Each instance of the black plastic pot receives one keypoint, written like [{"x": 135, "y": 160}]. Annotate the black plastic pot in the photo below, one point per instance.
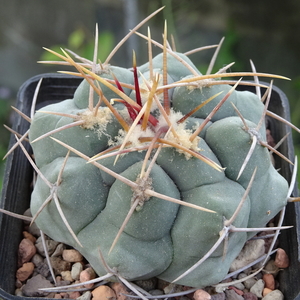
[{"x": 18, "y": 177}]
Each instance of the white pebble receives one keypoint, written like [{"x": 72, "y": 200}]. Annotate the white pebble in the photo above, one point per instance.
[{"x": 257, "y": 288}]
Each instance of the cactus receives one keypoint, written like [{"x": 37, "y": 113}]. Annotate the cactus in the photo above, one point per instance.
[{"x": 156, "y": 172}]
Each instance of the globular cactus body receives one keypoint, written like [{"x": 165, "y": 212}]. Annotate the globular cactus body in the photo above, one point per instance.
[{"x": 161, "y": 238}]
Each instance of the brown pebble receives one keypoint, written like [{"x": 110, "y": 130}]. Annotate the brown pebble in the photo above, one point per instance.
[
  {"x": 120, "y": 290},
  {"x": 86, "y": 275},
  {"x": 103, "y": 292},
  {"x": 201, "y": 295},
  {"x": 57, "y": 296},
  {"x": 64, "y": 295},
  {"x": 266, "y": 291},
  {"x": 26, "y": 251},
  {"x": 74, "y": 295},
  {"x": 281, "y": 259},
  {"x": 25, "y": 271},
  {"x": 59, "y": 265},
  {"x": 269, "y": 281},
  {"x": 29, "y": 236},
  {"x": 71, "y": 255}
]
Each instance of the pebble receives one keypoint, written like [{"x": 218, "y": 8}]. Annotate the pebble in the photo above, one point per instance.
[
  {"x": 219, "y": 296},
  {"x": 72, "y": 255},
  {"x": 26, "y": 251},
  {"x": 281, "y": 259},
  {"x": 74, "y": 295},
  {"x": 270, "y": 268},
  {"x": 120, "y": 290},
  {"x": 43, "y": 269},
  {"x": 59, "y": 250},
  {"x": 201, "y": 295},
  {"x": 29, "y": 236},
  {"x": 250, "y": 296},
  {"x": 25, "y": 271},
  {"x": 50, "y": 244},
  {"x": 66, "y": 276},
  {"x": 85, "y": 296},
  {"x": 266, "y": 291},
  {"x": 257, "y": 288},
  {"x": 76, "y": 270},
  {"x": 232, "y": 295},
  {"x": 251, "y": 251},
  {"x": 87, "y": 275},
  {"x": 238, "y": 291},
  {"x": 34, "y": 230},
  {"x": 31, "y": 288},
  {"x": 274, "y": 295},
  {"x": 147, "y": 285},
  {"x": 103, "y": 292},
  {"x": 248, "y": 283},
  {"x": 156, "y": 292},
  {"x": 269, "y": 281},
  {"x": 37, "y": 259},
  {"x": 59, "y": 265},
  {"x": 239, "y": 285}
]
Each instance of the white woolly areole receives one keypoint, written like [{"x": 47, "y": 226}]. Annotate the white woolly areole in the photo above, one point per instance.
[
  {"x": 183, "y": 134},
  {"x": 96, "y": 122}
]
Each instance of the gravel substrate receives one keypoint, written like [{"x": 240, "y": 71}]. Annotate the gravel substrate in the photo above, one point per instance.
[{"x": 70, "y": 268}]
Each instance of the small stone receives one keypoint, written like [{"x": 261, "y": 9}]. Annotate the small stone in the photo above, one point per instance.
[
  {"x": 281, "y": 259},
  {"x": 26, "y": 251},
  {"x": 76, "y": 270},
  {"x": 103, "y": 292},
  {"x": 239, "y": 286},
  {"x": 266, "y": 291},
  {"x": 25, "y": 271},
  {"x": 50, "y": 244},
  {"x": 250, "y": 296},
  {"x": 59, "y": 265},
  {"x": 172, "y": 288},
  {"x": 252, "y": 250},
  {"x": 232, "y": 295},
  {"x": 37, "y": 259},
  {"x": 74, "y": 295},
  {"x": 248, "y": 283},
  {"x": 120, "y": 290},
  {"x": 43, "y": 269},
  {"x": 147, "y": 285},
  {"x": 219, "y": 296},
  {"x": 201, "y": 295},
  {"x": 59, "y": 250},
  {"x": 238, "y": 291},
  {"x": 63, "y": 283},
  {"x": 34, "y": 230},
  {"x": 18, "y": 292},
  {"x": 257, "y": 288},
  {"x": 86, "y": 275},
  {"x": 274, "y": 295},
  {"x": 71, "y": 255},
  {"x": 66, "y": 276},
  {"x": 57, "y": 296},
  {"x": 31, "y": 288},
  {"x": 269, "y": 281},
  {"x": 85, "y": 296},
  {"x": 270, "y": 268},
  {"x": 156, "y": 292},
  {"x": 29, "y": 236}
]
